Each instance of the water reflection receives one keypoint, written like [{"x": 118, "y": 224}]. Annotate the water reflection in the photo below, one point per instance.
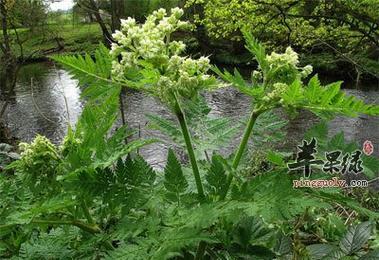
[
  {"x": 7, "y": 82},
  {"x": 38, "y": 106}
]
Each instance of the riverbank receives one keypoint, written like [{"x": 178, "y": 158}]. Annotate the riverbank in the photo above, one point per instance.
[
  {"x": 37, "y": 45},
  {"x": 6, "y": 136},
  {"x": 51, "y": 39}
]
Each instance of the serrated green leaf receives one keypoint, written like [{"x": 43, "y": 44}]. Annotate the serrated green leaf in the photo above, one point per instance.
[
  {"x": 373, "y": 255},
  {"x": 94, "y": 75},
  {"x": 325, "y": 251},
  {"x": 174, "y": 180},
  {"x": 216, "y": 176},
  {"x": 293, "y": 95},
  {"x": 356, "y": 237}
]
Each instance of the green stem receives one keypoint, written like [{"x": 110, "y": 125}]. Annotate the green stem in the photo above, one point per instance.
[
  {"x": 93, "y": 229},
  {"x": 187, "y": 138},
  {"x": 242, "y": 146},
  {"x": 200, "y": 250},
  {"x": 87, "y": 214},
  {"x": 90, "y": 228}
]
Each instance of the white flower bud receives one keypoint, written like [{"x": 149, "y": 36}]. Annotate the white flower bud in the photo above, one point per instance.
[
  {"x": 118, "y": 35},
  {"x": 177, "y": 12},
  {"x": 307, "y": 70}
]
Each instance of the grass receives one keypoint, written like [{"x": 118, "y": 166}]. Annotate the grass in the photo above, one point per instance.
[{"x": 75, "y": 38}]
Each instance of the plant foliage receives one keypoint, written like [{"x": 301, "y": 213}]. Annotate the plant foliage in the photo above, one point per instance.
[{"x": 95, "y": 197}]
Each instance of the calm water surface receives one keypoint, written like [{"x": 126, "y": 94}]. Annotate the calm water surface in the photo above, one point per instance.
[{"x": 46, "y": 98}]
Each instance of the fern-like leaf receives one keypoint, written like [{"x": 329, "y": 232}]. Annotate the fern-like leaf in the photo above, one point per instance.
[
  {"x": 209, "y": 134},
  {"x": 330, "y": 100},
  {"x": 94, "y": 74},
  {"x": 175, "y": 182},
  {"x": 216, "y": 176},
  {"x": 257, "y": 49}
]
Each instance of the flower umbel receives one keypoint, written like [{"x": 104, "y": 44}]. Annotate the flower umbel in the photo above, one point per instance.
[
  {"x": 284, "y": 67},
  {"x": 143, "y": 54}
]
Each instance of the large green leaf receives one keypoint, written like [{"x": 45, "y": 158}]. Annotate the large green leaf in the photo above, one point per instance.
[
  {"x": 325, "y": 251},
  {"x": 373, "y": 255},
  {"x": 356, "y": 237},
  {"x": 329, "y": 100},
  {"x": 249, "y": 230}
]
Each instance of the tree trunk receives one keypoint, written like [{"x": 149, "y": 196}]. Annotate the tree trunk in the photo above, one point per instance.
[
  {"x": 117, "y": 11},
  {"x": 92, "y": 6},
  {"x": 4, "y": 25}
]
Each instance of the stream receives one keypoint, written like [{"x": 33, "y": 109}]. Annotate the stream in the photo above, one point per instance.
[{"x": 46, "y": 98}]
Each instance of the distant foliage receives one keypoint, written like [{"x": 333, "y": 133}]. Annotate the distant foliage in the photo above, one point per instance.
[
  {"x": 139, "y": 9},
  {"x": 300, "y": 23},
  {"x": 340, "y": 31}
]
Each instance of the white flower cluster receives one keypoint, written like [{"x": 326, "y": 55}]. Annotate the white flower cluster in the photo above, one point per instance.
[
  {"x": 150, "y": 42},
  {"x": 38, "y": 158},
  {"x": 147, "y": 41},
  {"x": 275, "y": 94},
  {"x": 285, "y": 66},
  {"x": 185, "y": 76},
  {"x": 256, "y": 76},
  {"x": 307, "y": 70},
  {"x": 290, "y": 57},
  {"x": 40, "y": 145}
]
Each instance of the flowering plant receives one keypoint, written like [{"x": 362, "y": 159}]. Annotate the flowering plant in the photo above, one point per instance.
[
  {"x": 277, "y": 71},
  {"x": 144, "y": 55},
  {"x": 39, "y": 161},
  {"x": 284, "y": 67},
  {"x": 278, "y": 83}
]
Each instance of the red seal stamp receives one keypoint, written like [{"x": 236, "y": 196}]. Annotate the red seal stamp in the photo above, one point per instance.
[{"x": 368, "y": 147}]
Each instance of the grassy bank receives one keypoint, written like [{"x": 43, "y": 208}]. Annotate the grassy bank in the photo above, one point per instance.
[{"x": 54, "y": 38}]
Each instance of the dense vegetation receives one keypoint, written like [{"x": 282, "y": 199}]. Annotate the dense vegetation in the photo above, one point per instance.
[
  {"x": 337, "y": 37},
  {"x": 333, "y": 35},
  {"x": 95, "y": 197}
]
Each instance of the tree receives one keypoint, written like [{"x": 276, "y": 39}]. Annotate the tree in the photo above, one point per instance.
[
  {"x": 117, "y": 12},
  {"x": 347, "y": 29},
  {"x": 291, "y": 20},
  {"x": 93, "y": 7},
  {"x": 29, "y": 13},
  {"x": 5, "y": 45}
]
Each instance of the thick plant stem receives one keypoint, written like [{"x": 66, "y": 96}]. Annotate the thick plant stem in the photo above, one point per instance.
[
  {"x": 200, "y": 250},
  {"x": 191, "y": 154},
  {"x": 245, "y": 139},
  {"x": 241, "y": 148}
]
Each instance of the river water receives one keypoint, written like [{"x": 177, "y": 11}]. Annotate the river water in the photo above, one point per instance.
[{"x": 46, "y": 98}]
